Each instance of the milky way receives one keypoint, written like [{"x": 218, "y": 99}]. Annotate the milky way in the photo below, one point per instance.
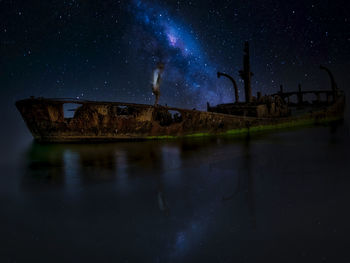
[
  {"x": 107, "y": 50},
  {"x": 168, "y": 39}
]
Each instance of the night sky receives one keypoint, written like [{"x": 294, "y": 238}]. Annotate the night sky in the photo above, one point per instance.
[
  {"x": 287, "y": 193},
  {"x": 106, "y": 50}
]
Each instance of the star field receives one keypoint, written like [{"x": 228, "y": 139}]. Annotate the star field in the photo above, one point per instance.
[{"x": 107, "y": 50}]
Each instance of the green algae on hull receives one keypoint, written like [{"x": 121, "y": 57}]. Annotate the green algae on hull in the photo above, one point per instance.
[
  {"x": 255, "y": 129},
  {"x": 107, "y": 122}
]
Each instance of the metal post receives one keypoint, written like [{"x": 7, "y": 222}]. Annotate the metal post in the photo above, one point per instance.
[{"x": 246, "y": 74}]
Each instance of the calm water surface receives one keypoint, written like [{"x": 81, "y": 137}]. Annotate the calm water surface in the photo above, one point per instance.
[{"x": 278, "y": 197}]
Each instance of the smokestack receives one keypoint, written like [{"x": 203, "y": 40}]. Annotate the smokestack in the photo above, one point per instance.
[{"x": 245, "y": 74}]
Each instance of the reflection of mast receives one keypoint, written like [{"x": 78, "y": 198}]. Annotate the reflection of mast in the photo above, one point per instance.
[
  {"x": 250, "y": 181},
  {"x": 151, "y": 164},
  {"x": 156, "y": 160},
  {"x": 247, "y": 178},
  {"x": 163, "y": 204}
]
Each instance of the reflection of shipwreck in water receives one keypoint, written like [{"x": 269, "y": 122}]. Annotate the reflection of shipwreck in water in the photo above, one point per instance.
[{"x": 107, "y": 121}]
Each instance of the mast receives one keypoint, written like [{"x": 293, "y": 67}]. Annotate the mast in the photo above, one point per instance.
[{"x": 245, "y": 74}]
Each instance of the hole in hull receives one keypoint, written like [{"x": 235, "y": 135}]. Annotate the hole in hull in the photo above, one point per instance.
[
  {"x": 125, "y": 110},
  {"x": 69, "y": 110},
  {"x": 176, "y": 116}
]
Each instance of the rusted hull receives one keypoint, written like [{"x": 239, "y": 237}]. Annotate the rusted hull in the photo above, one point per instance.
[{"x": 110, "y": 121}]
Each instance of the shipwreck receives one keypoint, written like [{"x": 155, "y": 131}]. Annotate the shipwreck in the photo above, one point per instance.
[{"x": 110, "y": 121}]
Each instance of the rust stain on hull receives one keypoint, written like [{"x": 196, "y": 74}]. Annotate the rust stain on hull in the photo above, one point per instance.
[{"x": 109, "y": 121}]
